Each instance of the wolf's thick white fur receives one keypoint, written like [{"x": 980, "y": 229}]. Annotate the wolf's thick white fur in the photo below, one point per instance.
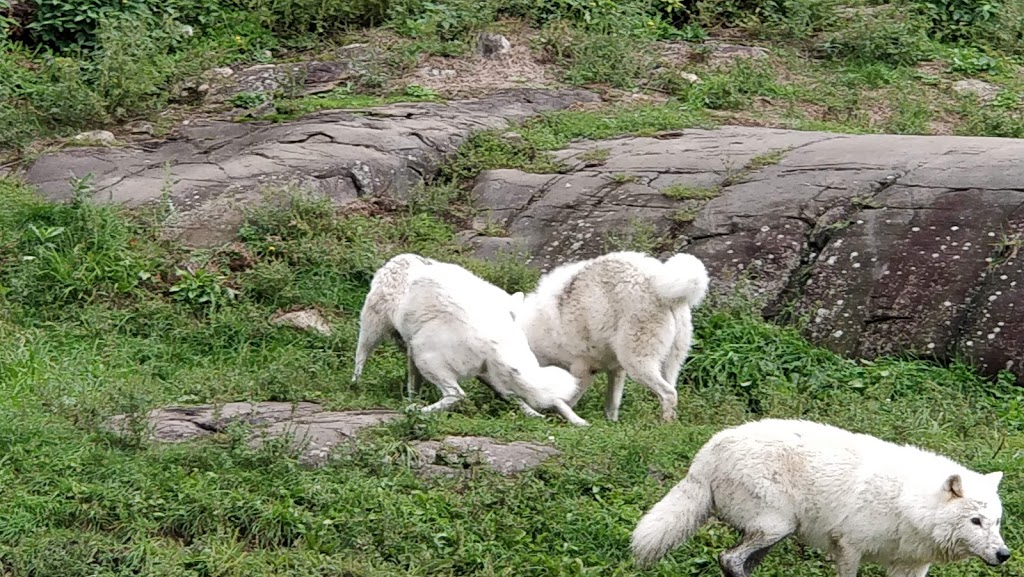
[
  {"x": 855, "y": 496},
  {"x": 625, "y": 313},
  {"x": 453, "y": 330},
  {"x": 389, "y": 283}
]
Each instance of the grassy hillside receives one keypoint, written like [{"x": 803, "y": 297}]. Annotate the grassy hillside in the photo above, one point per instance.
[
  {"x": 846, "y": 65},
  {"x": 94, "y": 326}
]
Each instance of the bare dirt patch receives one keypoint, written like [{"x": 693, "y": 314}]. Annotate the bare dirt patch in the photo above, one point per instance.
[{"x": 475, "y": 76}]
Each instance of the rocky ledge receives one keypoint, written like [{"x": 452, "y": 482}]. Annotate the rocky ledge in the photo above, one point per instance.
[{"x": 886, "y": 244}]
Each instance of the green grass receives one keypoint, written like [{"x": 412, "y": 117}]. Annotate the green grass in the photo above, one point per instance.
[
  {"x": 552, "y": 131},
  {"x": 79, "y": 501},
  {"x": 346, "y": 98},
  {"x": 684, "y": 192}
]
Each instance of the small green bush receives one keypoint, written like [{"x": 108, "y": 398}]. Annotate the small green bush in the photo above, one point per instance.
[
  {"x": 733, "y": 88},
  {"x": 45, "y": 100},
  {"x": 73, "y": 25},
  {"x": 291, "y": 18},
  {"x": 447, "y": 21},
  {"x": 133, "y": 65},
  {"x": 960, "y": 19},
  {"x": 609, "y": 56},
  {"x": 886, "y": 34}
]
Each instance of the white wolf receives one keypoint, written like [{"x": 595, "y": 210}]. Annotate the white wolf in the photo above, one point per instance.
[
  {"x": 389, "y": 283},
  {"x": 453, "y": 330},
  {"x": 855, "y": 496},
  {"x": 625, "y": 313}
]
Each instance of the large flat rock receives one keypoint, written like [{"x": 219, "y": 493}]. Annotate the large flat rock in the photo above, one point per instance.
[
  {"x": 885, "y": 244},
  {"x": 210, "y": 170},
  {"x": 315, "y": 434}
]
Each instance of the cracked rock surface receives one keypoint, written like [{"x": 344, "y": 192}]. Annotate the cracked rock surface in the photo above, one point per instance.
[
  {"x": 888, "y": 244},
  {"x": 316, "y": 433},
  {"x": 212, "y": 169},
  {"x": 455, "y": 456}
]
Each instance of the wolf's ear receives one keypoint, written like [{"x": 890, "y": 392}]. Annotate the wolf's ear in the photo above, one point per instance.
[
  {"x": 954, "y": 486},
  {"x": 994, "y": 478}
]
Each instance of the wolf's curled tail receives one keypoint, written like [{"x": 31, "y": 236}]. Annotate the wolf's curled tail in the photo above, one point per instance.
[{"x": 683, "y": 279}]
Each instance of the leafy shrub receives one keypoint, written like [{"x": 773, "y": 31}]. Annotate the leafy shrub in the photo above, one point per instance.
[
  {"x": 630, "y": 18},
  {"x": 69, "y": 25},
  {"x": 444, "y": 21},
  {"x": 972, "y": 61},
  {"x": 247, "y": 99},
  {"x": 489, "y": 150},
  {"x": 300, "y": 17},
  {"x": 54, "y": 95},
  {"x": 133, "y": 65},
  {"x": 128, "y": 73},
  {"x": 203, "y": 289},
  {"x": 886, "y": 34},
  {"x": 959, "y": 19}
]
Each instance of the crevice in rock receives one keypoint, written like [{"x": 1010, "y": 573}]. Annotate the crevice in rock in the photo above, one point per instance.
[
  {"x": 819, "y": 234},
  {"x": 880, "y": 318},
  {"x": 971, "y": 304},
  {"x": 699, "y": 237},
  {"x": 309, "y": 137}
]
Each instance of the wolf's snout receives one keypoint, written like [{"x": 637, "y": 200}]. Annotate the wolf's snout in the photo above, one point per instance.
[{"x": 1002, "y": 555}]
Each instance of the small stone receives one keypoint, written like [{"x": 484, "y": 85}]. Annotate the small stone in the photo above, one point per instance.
[
  {"x": 513, "y": 137},
  {"x": 490, "y": 45},
  {"x": 96, "y": 136},
  {"x": 222, "y": 72},
  {"x": 455, "y": 456},
  {"x": 308, "y": 319},
  {"x": 984, "y": 91},
  {"x": 690, "y": 77},
  {"x": 140, "y": 127},
  {"x": 721, "y": 51}
]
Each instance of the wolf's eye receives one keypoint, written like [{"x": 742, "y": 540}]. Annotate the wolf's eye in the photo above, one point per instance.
[{"x": 976, "y": 520}]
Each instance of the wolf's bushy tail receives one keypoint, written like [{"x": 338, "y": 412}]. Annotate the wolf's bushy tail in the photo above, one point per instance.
[
  {"x": 672, "y": 520},
  {"x": 683, "y": 279},
  {"x": 373, "y": 329}
]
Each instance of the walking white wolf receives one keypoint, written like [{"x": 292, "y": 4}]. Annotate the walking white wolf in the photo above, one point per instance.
[
  {"x": 855, "y": 496},
  {"x": 625, "y": 313}
]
